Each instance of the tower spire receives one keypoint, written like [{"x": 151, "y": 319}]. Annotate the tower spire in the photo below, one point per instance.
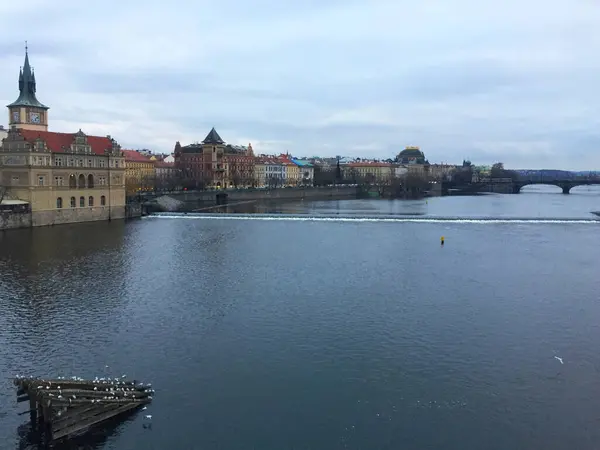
[{"x": 27, "y": 86}]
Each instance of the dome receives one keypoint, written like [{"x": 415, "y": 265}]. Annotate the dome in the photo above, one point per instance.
[{"x": 411, "y": 152}]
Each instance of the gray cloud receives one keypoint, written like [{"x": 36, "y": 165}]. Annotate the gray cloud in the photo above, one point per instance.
[{"x": 512, "y": 81}]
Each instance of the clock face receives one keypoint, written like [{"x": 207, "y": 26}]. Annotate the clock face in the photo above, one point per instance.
[
  {"x": 15, "y": 116},
  {"x": 34, "y": 117}
]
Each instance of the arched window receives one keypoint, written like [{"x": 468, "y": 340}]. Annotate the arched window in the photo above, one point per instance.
[
  {"x": 72, "y": 181},
  {"x": 81, "y": 202},
  {"x": 91, "y": 201},
  {"x": 81, "y": 183},
  {"x": 59, "y": 202},
  {"x": 73, "y": 202},
  {"x": 103, "y": 201},
  {"x": 90, "y": 180}
]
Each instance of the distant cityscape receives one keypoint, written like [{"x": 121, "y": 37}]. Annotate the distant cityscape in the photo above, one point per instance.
[{"x": 73, "y": 177}]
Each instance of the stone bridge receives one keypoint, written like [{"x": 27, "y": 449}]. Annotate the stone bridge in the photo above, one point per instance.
[{"x": 565, "y": 184}]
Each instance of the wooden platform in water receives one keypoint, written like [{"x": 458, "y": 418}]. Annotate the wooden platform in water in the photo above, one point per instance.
[{"x": 62, "y": 407}]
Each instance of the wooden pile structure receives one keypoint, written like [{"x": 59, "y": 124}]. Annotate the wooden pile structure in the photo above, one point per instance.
[{"x": 62, "y": 407}]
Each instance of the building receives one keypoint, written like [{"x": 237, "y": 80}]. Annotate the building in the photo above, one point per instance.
[
  {"x": 307, "y": 171},
  {"x": 166, "y": 176},
  {"x": 411, "y": 155},
  {"x": 292, "y": 171},
  {"x": 201, "y": 164},
  {"x": 441, "y": 172},
  {"x": 270, "y": 172},
  {"x": 214, "y": 164},
  {"x": 139, "y": 172},
  {"x": 369, "y": 171},
  {"x": 65, "y": 177},
  {"x": 3, "y": 133},
  {"x": 239, "y": 164}
]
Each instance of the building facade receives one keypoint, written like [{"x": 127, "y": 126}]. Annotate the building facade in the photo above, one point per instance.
[
  {"x": 367, "y": 171},
  {"x": 239, "y": 164},
  {"x": 306, "y": 171},
  {"x": 139, "y": 172},
  {"x": 214, "y": 164},
  {"x": 64, "y": 177}
]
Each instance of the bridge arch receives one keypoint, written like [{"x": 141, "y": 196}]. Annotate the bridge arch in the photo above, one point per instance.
[
  {"x": 554, "y": 187},
  {"x": 566, "y": 185}
]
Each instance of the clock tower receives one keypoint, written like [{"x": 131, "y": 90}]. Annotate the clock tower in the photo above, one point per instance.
[{"x": 27, "y": 112}]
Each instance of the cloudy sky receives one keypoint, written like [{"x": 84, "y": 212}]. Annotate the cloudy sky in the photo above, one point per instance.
[{"x": 514, "y": 81}]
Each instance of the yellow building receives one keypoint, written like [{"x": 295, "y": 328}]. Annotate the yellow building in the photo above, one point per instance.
[
  {"x": 140, "y": 172},
  {"x": 260, "y": 171},
  {"x": 64, "y": 177},
  {"x": 368, "y": 171}
]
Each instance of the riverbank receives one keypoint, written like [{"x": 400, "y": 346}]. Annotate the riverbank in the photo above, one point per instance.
[{"x": 12, "y": 220}]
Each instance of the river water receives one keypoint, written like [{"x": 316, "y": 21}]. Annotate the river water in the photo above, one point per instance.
[{"x": 321, "y": 325}]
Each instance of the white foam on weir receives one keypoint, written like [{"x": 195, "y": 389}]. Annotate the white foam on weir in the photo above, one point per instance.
[{"x": 373, "y": 219}]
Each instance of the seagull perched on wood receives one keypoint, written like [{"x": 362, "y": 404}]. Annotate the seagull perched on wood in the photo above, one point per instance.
[{"x": 559, "y": 359}]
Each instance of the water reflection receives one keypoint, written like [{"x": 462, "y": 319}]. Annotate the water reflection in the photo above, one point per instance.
[{"x": 95, "y": 438}]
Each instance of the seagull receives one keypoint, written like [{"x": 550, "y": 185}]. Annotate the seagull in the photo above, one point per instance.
[
  {"x": 144, "y": 408},
  {"x": 148, "y": 417},
  {"x": 559, "y": 359}
]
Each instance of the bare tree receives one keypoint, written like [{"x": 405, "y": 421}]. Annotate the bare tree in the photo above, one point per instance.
[
  {"x": 236, "y": 178},
  {"x": 274, "y": 181}
]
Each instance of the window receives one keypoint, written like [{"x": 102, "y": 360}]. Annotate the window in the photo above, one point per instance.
[
  {"x": 81, "y": 202},
  {"x": 71, "y": 162},
  {"x": 116, "y": 164},
  {"x": 91, "y": 201},
  {"x": 72, "y": 181},
  {"x": 90, "y": 163},
  {"x": 103, "y": 201},
  {"x": 102, "y": 163},
  {"x": 40, "y": 160},
  {"x": 72, "y": 202},
  {"x": 58, "y": 161},
  {"x": 15, "y": 180},
  {"x": 80, "y": 162},
  {"x": 59, "y": 202},
  {"x": 58, "y": 181},
  {"x": 90, "y": 180},
  {"x": 102, "y": 181},
  {"x": 81, "y": 181},
  {"x": 41, "y": 180}
]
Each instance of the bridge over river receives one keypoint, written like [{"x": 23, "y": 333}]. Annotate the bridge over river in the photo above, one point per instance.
[{"x": 565, "y": 182}]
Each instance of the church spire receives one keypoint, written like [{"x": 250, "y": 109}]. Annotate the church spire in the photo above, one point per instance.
[{"x": 27, "y": 86}]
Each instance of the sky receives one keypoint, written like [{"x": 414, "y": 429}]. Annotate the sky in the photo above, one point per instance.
[{"x": 512, "y": 81}]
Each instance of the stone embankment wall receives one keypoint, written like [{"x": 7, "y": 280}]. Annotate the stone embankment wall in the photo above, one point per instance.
[
  {"x": 133, "y": 210},
  {"x": 13, "y": 220},
  {"x": 312, "y": 193},
  {"x": 75, "y": 215}
]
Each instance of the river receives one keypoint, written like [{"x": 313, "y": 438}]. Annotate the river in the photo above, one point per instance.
[{"x": 321, "y": 325}]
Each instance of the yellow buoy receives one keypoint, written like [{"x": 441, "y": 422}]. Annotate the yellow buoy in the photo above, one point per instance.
[{"x": 442, "y": 240}]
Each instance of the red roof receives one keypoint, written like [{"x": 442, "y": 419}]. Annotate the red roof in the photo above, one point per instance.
[
  {"x": 61, "y": 142},
  {"x": 135, "y": 156},
  {"x": 164, "y": 164}
]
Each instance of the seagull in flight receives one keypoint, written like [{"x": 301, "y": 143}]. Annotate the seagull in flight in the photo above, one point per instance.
[{"x": 559, "y": 359}]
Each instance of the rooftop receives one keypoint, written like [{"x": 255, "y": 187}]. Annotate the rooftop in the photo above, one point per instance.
[
  {"x": 61, "y": 142},
  {"x": 135, "y": 156},
  {"x": 213, "y": 138}
]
